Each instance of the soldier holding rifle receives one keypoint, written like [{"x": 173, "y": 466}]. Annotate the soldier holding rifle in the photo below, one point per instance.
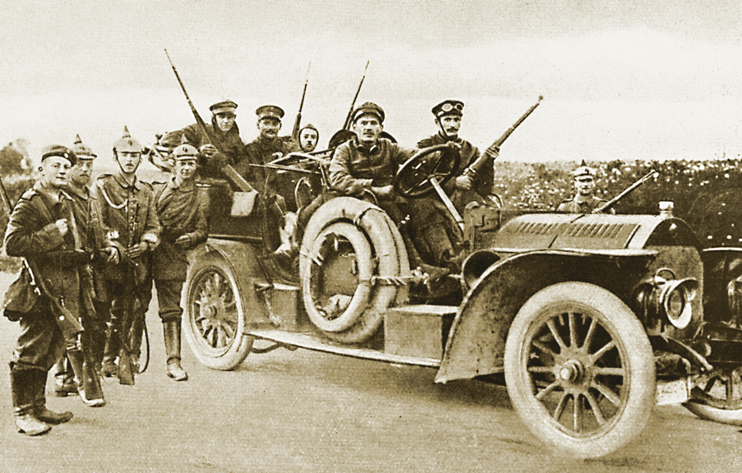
[
  {"x": 42, "y": 229},
  {"x": 182, "y": 210},
  {"x": 92, "y": 240},
  {"x": 584, "y": 201},
  {"x": 465, "y": 187},
  {"x": 127, "y": 211},
  {"x": 219, "y": 142}
]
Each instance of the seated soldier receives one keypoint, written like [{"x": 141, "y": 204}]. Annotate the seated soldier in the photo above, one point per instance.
[
  {"x": 465, "y": 187},
  {"x": 584, "y": 201},
  {"x": 366, "y": 165}
]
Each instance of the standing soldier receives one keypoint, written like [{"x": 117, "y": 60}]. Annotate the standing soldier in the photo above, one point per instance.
[
  {"x": 227, "y": 146},
  {"x": 464, "y": 187},
  {"x": 267, "y": 147},
  {"x": 182, "y": 209},
  {"x": 584, "y": 201},
  {"x": 41, "y": 229},
  {"x": 92, "y": 290},
  {"x": 127, "y": 212},
  {"x": 308, "y": 138}
]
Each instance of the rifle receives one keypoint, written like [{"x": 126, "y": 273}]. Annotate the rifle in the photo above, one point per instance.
[
  {"x": 297, "y": 121},
  {"x": 626, "y": 191},
  {"x": 67, "y": 322},
  {"x": 233, "y": 176},
  {"x": 494, "y": 149},
  {"x": 349, "y": 117}
]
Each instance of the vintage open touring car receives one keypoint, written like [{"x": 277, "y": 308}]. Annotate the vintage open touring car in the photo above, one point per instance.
[{"x": 589, "y": 320}]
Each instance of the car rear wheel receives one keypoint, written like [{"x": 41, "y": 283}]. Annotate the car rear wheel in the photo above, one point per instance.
[
  {"x": 579, "y": 370},
  {"x": 719, "y": 397},
  {"x": 214, "y": 316}
]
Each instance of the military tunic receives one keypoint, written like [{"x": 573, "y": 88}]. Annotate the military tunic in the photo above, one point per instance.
[
  {"x": 483, "y": 181},
  {"x": 33, "y": 234},
  {"x": 572, "y": 206},
  {"x": 262, "y": 151},
  {"x": 229, "y": 144},
  {"x": 182, "y": 211}
]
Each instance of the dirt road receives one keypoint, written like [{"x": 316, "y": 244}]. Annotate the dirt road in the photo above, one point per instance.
[{"x": 308, "y": 412}]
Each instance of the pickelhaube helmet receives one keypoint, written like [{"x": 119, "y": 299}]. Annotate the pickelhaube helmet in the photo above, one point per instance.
[
  {"x": 449, "y": 107},
  {"x": 81, "y": 150},
  {"x": 59, "y": 151},
  {"x": 184, "y": 150},
  {"x": 127, "y": 143},
  {"x": 368, "y": 108},
  {"x": 583, "y": 170}
]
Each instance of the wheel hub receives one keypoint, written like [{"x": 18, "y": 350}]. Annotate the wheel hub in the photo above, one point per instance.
[{"x": 572, "y": 371}]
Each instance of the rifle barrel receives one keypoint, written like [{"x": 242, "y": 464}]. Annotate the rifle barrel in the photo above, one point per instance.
[{"x": 349, "y": 117}]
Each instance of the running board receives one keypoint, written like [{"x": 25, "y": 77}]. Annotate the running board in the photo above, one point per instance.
[{"x": 315, "y": 343}]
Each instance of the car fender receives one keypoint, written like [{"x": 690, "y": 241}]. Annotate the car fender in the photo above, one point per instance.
[{"x": 476, "y": 341}]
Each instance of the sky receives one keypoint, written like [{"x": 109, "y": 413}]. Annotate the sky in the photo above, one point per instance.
[{"x": 622, "y": 80}]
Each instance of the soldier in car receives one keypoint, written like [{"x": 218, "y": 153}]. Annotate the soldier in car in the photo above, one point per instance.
[
  {"x": 584, "y": 201},
  {"x": 221, "y": 146},
  {"x": 182, "y": 208},
  {"x": 127, "y": 211},
  {"x": 308, "y": 138},
  {"x": 366, "y": 165},
  {"x": 465, "y": 186}
]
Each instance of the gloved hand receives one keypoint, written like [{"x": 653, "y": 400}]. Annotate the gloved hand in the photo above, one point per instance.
[
  {"x": 463, "y": 182},
  {"x": 208, "y": 150},
  {"x": 183, "y": 242}
]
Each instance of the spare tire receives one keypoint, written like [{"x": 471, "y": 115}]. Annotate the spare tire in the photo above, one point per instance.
[{"x": 389, "y": 260}]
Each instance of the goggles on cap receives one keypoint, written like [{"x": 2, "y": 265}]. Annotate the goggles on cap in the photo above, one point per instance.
[
  {"x": 584, "y": 179},
  {"x": 447, "y": 107}
]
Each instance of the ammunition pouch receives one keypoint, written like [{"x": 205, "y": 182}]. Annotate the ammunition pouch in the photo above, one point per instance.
[{"x": 21, "y": 297}]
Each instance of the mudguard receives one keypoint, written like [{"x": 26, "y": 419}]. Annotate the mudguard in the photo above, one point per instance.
[{"x": 476, "y": 341}]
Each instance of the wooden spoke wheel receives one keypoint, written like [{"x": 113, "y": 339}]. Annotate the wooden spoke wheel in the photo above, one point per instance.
[
  {"x": 719, "y": 397},
  {"x": 215, "y": 316},
  {"x": 579, "y": 369}
]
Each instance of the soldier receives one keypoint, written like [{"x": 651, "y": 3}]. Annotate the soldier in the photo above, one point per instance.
[
  {"x": 267, "y": 147},
  {"x": 126, "y": 208},
  {"x": 308, "y": 138},
  {"x": 464, "y": 187},
  {"x": 227, "y": 146},
  {"x": 41, "y": 229},
  {"x": 368, "y": 163},
  {"x": 92, "y": 240},
  {"x": 584, "y": 201},
  {"x": 182, "y": 210}
]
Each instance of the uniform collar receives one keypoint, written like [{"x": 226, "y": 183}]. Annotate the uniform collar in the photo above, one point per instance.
[
  {"x": 121, "y": 180},
  {"x": 51, "y": 195},
  {"x": 446, "y": 138},
  {"x": 357, "y": 145},
  {"x": 187, "y": 186},
  {"x": 82, "y": 193}
]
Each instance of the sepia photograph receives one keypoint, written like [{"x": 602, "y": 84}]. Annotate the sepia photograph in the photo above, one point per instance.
[{"x": 371, "y": 236}]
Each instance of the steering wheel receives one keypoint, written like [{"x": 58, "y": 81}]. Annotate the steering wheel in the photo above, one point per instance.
[{"x": 438, "y": 162}]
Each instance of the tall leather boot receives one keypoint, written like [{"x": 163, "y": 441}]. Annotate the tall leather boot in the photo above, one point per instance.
[
  {"x": 64, "y": 378},
  {"x": 22, "y": 391},
  {"x": 434, "y": 273},
  {"x": 87, "y": 379},
  {"x": 171, "y": 331},
  {"x": 39, "y": 403}
]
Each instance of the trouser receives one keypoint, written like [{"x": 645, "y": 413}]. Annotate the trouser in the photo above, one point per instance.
[
  {"x": 169, "y": 292},
  {"x": 129, "y": 305},
  {"x": 40, "y": 343}
]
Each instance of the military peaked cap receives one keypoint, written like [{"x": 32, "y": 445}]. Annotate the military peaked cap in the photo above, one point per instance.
[
  {"x": 59, "y": 151},
  {"x": 269, "y": 111},
  {"x": 127, "y": 143},
  {"x": 225, "y": 106},
  {"x": 369, "y": 108},
  {"x": 82, "y": 151},
  {"x": 449, "y": 107}
]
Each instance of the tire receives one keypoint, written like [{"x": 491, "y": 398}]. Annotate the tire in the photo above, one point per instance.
[
  {"x": 387, "y": 249},
  {"x": 215, "y": 316},
  {"x": 720, "y": 398},
  {"x": 547, "y": 374}
]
